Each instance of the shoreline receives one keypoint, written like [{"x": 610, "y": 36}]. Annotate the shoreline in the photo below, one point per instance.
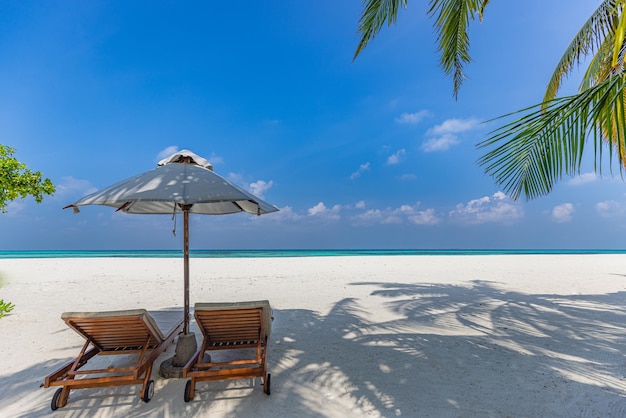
[
  {"x": 281, "y": 253},
  {"x": 519, "y": 335}
]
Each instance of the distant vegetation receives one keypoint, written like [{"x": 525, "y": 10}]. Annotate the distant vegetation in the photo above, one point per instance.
[{"x": 5, "y": 307}]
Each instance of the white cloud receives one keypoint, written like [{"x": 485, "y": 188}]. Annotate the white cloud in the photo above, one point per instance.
[
  {"x": 370, "y": 216},
  {"x": 319, "y": 208},
  {"x": 284, "y": 214},
  {"x": 362, "y": 169},
  {"x": 172, "y": 149},
  {"x": 336, "y": 208},
  {"x": 69, "y": 186},
  {"x": 413, "y": 118},
  {"x": 440, "y": 143},
  {"x": 259, "y": 187},
  {"x": 321, "y": 211},
  {"x": 611, "y": 209},
  {"x": 13, "y": 208},
  {"x": 399, "y": 215},
  {"x": 407, "y": 209},
  {"x": 395, "y": 158},
  {"x": 495, "y": 208},
  {"x": 453, "y": 126},
  {"x": 359, "y": 215},
  {"x": 445, "y": 135},
  {"x": 425, "y": 217},
  {"x": 214, "y": 159},
  {"x": 584, "y": 178},
  {"x": 235, "y": 177},
  {"x": 563, "y": 213},
  {"x": 391, "y": 219}
]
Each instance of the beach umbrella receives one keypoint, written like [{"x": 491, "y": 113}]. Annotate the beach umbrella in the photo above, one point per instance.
[{"x": 182, "y": 183}]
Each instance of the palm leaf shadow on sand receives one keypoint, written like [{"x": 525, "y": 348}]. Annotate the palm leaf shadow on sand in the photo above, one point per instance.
[
  {"x": 454, "y": 350},
  {"x": 435, "y": 350},
  {"x": 485, "y": 348}
]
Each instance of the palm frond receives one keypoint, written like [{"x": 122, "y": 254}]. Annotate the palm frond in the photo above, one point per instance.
[
  {"x": 529, "y": 155},
  {"x": 618, "y": 46},
  {"x": 452, "y": 19},
  {"x": 589, "y": 38},
  {"x": 599, "y": 68},
  {"x": 375, "y": 14}
]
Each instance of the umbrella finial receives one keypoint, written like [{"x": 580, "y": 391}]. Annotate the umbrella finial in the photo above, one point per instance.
[{"x": 186, "y": 157}]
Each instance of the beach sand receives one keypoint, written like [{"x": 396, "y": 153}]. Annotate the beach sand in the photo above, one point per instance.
[{"x": 386, "y": 336}]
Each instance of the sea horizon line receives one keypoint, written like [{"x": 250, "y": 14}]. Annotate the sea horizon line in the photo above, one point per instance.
[{"x": 264, "y": 253}]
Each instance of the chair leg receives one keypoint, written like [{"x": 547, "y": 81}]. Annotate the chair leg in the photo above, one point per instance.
[
  {"x": 147, "y": 389},
  {"x": 190, "y": 389},
  {"x": 64, "y": 394},
  {"x": 266, "y": 383}
]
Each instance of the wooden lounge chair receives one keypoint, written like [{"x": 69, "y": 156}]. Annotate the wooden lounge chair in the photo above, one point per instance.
[
  {"x": 243, "y": 326},
  {"x": 116, "y": 332}
]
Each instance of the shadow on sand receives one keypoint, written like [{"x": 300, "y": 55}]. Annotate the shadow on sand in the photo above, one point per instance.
[{"x": 438, "y": 350}]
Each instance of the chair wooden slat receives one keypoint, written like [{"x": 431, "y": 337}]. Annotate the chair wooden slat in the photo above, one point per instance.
[
  {"x": 112, "y": 333},
  {"x": 236, "y": 327}
]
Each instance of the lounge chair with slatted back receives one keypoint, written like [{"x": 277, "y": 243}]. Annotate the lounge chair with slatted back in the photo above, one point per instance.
[
  {"x": 242, "y": 328},
  {"x": 133, "y": 332}
]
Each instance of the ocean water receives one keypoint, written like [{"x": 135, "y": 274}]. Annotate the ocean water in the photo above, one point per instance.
[{"x": 278, "y": 253}]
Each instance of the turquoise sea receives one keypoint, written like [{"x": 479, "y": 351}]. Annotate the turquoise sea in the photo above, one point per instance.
[{"x": 278, "y": 253}]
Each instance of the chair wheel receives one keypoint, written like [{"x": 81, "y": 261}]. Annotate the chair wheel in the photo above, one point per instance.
[
  {"x": 149, "y": 392},
  {"x": 55, "y": 399},
  {"x": 187, "y": 391},
  {"x": 267, "y": 383}
]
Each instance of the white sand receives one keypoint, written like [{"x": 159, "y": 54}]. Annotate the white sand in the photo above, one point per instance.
[{"x": 417, "y": 336}]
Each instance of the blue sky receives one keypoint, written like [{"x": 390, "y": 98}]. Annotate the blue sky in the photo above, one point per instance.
[{"x": 374, "y": 153}]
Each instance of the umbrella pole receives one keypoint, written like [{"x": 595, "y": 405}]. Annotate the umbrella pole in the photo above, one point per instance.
[
  {"x": 186, "y": 345},
  {"x": 186, "y": 267}
]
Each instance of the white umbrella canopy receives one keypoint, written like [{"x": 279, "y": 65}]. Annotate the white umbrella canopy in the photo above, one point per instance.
[
  {"x": 178, "y": 181},
  {"x": 182, "y": 183}
]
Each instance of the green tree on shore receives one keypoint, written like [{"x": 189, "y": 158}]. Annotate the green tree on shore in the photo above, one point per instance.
[
  {"x": 16, "y": 180},
  {"x": 530, "y": 154}
]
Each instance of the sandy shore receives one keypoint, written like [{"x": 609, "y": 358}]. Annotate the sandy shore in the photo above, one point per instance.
[{"x": 411, "y": 336}]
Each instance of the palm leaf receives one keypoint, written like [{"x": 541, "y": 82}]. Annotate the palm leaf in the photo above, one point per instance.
[
  {"x": 599, "y": 68},
  {"x": 451, "y": 23},
  {"x": 618, "y": 46},
  {"x": 600, "y": 26},
  {"x": 375, "y": 14},
  {"x": 531, "y": 153}
]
